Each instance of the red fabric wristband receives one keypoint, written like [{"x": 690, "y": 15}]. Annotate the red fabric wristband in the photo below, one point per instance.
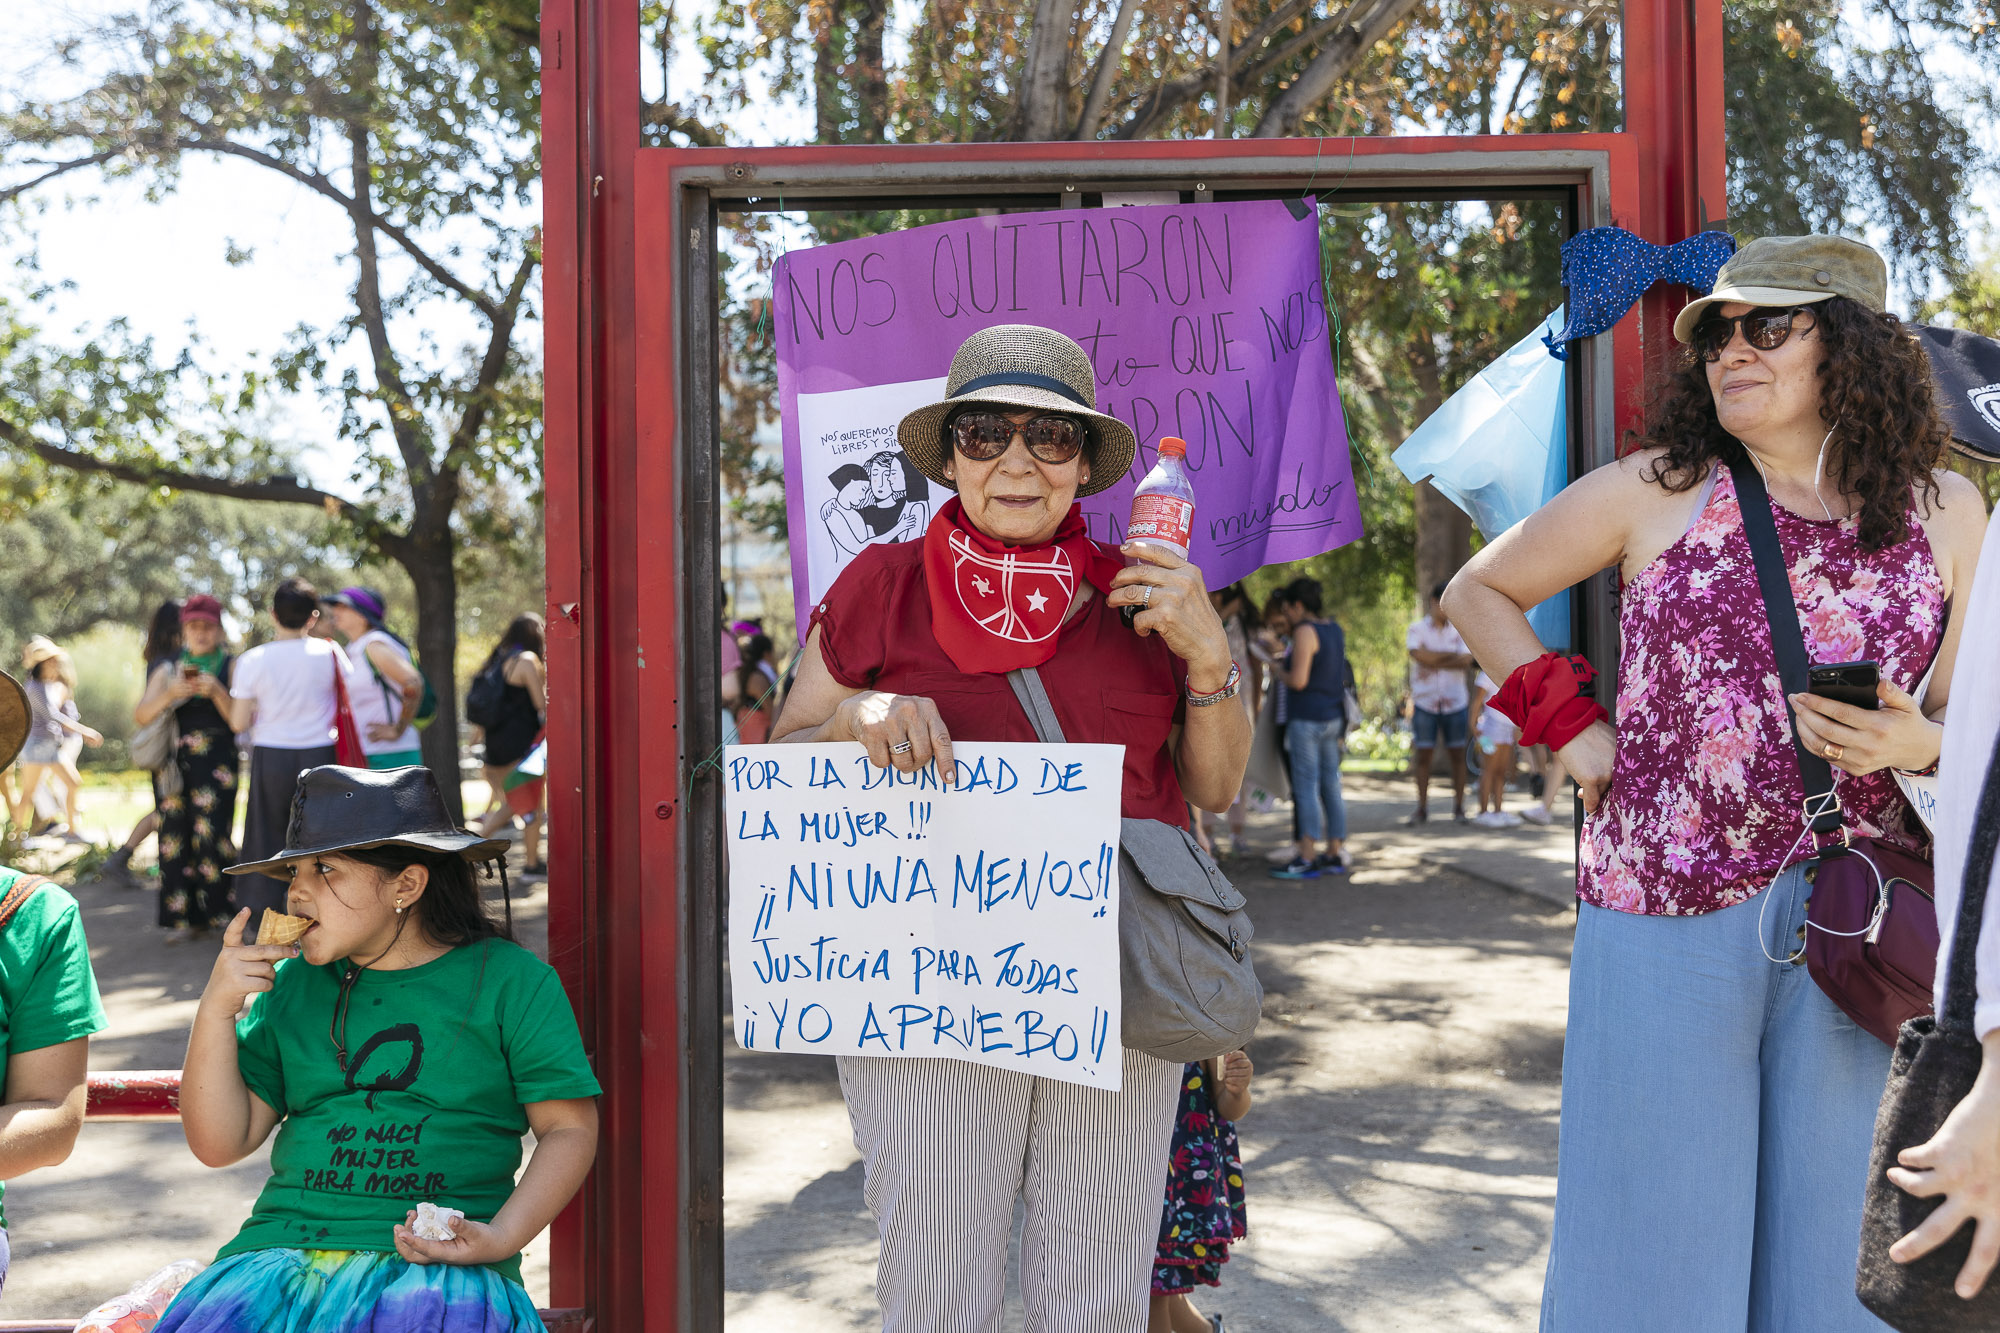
[{"x": 1549, "y": 699}]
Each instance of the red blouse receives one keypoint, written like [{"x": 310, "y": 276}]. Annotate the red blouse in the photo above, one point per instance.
[{"x": 1109, "y": 685}]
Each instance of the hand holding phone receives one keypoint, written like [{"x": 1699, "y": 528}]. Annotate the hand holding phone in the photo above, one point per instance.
[{"x": 1846, "y": 682}]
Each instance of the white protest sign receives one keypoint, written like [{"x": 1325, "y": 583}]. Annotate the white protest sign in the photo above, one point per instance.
[{"x": 873, "y": 912}]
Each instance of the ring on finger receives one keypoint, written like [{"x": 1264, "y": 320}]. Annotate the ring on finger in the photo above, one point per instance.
[
  {"x": 1835, "y": 752},
  {"x": 1145, "y": 594},
  {"x": 901, "y": 747}
]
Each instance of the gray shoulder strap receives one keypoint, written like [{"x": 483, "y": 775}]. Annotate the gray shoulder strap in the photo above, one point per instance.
[
  {"x": 1027, "y": 683},
  {"x": 1701, "y": 499}
]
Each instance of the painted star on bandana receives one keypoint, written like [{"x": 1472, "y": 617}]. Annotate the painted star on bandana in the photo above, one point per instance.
[{"x": 1037, "y": 601}]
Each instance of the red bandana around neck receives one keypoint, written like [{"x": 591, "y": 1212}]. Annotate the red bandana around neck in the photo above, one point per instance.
[{"x": 995, "y": 607}]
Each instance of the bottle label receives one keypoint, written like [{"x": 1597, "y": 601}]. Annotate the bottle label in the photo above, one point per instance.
[{"x": 1166, "y": 518}]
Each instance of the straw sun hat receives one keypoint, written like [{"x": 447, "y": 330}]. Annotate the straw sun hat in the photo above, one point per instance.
[
  {"x": 36, "y": 651},
  {"x": 1015, "y": 366}
]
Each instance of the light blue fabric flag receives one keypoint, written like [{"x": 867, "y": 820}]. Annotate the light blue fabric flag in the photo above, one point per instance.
[{"x": 1499, "y": 450}]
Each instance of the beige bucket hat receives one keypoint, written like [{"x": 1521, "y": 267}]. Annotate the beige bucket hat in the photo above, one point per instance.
[
  {"x": 1017, "y": 366},
  {"x": 38, "y": 650},
  {"x": 1793, "y": 270}
]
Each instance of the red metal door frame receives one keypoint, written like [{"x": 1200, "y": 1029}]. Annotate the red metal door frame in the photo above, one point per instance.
[{"x": 618, "y": 497}]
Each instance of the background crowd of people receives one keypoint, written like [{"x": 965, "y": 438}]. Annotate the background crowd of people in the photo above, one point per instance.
[{"x": 320, "y": 668}]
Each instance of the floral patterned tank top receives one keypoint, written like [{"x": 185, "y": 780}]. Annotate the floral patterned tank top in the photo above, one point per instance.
[{"x": 1703, "y": 809}]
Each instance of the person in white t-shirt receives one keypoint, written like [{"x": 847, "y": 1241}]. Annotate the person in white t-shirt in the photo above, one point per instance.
[
  {"x": 1496, "y": 738},
  {"x": 387, "y": 687},
  {"x": 283, "y": 694},
  {"x": 1439, "y": 660}
]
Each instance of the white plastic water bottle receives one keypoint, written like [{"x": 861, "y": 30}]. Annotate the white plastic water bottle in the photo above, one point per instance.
[{"x": 1163, "y": 506}]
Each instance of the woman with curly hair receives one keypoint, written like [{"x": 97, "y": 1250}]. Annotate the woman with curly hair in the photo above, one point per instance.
[{"x": 1717, "y": 1107}]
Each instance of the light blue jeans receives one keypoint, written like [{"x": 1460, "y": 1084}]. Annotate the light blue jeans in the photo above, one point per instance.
[
  {"x": 1315, "y": 751},
  {"x": 1717, "y": 1111}
]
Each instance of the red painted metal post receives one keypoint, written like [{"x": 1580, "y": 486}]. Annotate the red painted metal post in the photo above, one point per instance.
[
  {"x": 1674, "y": 110},
  {"x": 565, "y": 298},
  {"x": 590, "y": 72}
]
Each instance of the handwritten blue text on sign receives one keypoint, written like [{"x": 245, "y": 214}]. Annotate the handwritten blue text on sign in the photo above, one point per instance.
[{"x": 873, "y": 912}]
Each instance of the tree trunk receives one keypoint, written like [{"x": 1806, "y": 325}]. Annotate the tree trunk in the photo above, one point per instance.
[
  {"x": 1444, "y": 538},
  {"x": 871, "y": 81},
  {"x": 1444, "y": 531},
  {"x": 1368, "y": 21},
  {"x": 1045, "y": 73},
  {"x": 436, "y": 583},
  {"x": 827, "y": 108}
]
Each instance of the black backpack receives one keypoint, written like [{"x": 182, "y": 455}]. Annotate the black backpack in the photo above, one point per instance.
[{"x": 486, "y": 697}]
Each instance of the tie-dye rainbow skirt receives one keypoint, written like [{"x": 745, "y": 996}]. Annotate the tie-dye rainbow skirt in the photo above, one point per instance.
[{"x": 347, "y": 1291}]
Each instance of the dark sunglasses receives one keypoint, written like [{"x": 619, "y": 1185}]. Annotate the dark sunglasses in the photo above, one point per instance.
[
  {"x": 1764, "y": 328},
  {"x": 984, "y": 436}
]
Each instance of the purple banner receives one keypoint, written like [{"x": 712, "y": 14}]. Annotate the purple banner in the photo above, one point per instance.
[{"x": 1206, "y": 321}]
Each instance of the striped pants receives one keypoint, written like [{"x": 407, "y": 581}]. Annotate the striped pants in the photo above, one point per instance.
[{"x": 947, "y": 1146}]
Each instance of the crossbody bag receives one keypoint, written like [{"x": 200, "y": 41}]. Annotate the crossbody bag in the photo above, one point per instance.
[
  {"x": 1187, "y": 989},
  {"x": 1871, "y": 923}
]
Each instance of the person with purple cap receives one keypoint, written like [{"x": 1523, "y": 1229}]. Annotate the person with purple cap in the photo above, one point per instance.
[
  {"x": 388, "y": 686},
  {"x": 196, "y": 822}
]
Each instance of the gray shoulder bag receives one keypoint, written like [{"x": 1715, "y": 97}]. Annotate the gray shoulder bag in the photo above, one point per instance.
[{"x": 1188, "y": 989}]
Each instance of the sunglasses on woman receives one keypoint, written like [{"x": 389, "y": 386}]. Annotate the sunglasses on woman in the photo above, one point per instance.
[
  {"x": 984, "y": 436},
  {"x": 1764, "y": 328}
]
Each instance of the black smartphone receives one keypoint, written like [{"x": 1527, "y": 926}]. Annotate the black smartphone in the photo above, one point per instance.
[{"x": 1847, "y": 683}]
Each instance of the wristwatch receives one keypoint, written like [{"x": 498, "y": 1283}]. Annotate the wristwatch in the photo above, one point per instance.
[{"x": 1228, "y": 690}]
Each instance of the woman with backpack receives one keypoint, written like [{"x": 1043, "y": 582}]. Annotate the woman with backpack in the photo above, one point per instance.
[
  {"x": 285, "y": 693},
  {"x": 507, "y": 702},
  {"x": 387, "y": 696}
]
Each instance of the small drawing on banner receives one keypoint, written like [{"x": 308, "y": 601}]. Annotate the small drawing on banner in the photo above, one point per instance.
[{"x": 883, "y": 498}]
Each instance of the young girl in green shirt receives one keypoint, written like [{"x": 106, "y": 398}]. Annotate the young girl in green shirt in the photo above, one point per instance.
[{"x": 400, "y": 1049}]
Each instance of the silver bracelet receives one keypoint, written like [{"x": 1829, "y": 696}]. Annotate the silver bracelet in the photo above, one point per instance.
[{"x": 1228, "y": 690}]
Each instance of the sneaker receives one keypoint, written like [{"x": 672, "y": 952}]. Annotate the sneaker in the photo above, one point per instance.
[
  {"x": 1488, "y": 819},
  {"x": 1280, "y": 855},
  {"x": 117, "y": 869},
  {"x": 1458, "y": 817},
  {"x": 1504, "y": 819},
  {"x": 1331, "y": 865},
  {"x": 1300, "y": 868},
  {"x": 1538, "y": 814},
  {"x": 1416, "y": 817}
]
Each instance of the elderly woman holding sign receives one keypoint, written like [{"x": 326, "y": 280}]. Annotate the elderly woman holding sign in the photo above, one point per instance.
[{"x": 908, "y": 651}]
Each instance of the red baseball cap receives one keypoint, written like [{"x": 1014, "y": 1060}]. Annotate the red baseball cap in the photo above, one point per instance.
[{"x": 201, "y": 607}]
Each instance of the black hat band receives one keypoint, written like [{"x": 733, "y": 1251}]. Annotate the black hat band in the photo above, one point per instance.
[{"x": 1026, "y": 379}]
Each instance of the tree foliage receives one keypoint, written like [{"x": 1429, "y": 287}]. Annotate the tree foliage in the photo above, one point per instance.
[{"x": 417, "y": 120}]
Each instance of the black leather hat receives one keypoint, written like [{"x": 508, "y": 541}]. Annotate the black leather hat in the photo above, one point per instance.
[{"x": 338, "y": 809}]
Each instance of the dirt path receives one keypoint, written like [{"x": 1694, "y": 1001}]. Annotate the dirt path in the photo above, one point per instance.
[{"x": 1400, "y": 1159}]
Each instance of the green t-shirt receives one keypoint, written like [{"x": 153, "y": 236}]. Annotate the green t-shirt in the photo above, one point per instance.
[
  {"x": 48, "y": 994},
  {"x": 441, "y": 1060}
]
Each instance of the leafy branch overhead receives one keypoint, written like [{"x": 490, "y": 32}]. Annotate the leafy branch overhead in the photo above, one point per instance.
[{"x": 416, "y": 121}]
